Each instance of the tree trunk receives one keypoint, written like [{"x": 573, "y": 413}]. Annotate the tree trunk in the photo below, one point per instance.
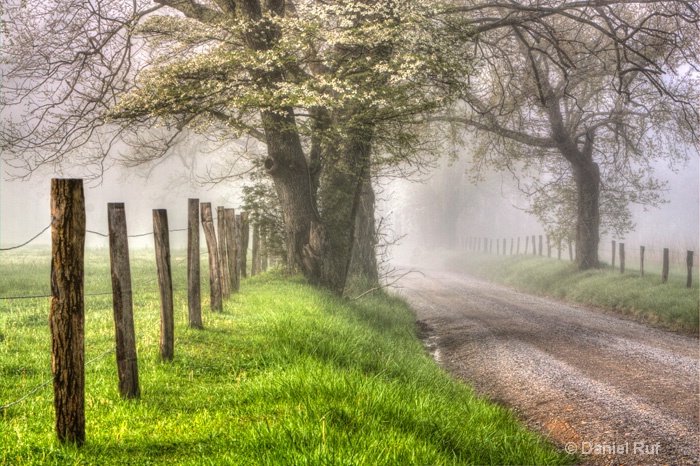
[
  {"x": 587, "y": 178},
  {"x": 364, "y": 255}
]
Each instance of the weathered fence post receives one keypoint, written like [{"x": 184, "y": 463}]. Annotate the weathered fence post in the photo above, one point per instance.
[
  {"x": 122, "y": 304},
  {"x": 613, "y": 254},
  {"x": 231, "y": 251},
  {"x": 498, "y": 246},
  {"x": 622, "y": 257},
  {"x": 67, "y": 312},
  {"x": 534, "y": 246},
  {"x": 165, "y": 283},
  {"x": 527, "y": 243},
  {"x": 641, "y": 260},
  {"x": 664, "y": 270},
  {"x": 194, "y": 293},
  {"x": 245, "y": 235},
  {"x": 518, "y": 249},
  {"x": 689, "y": 264},
  {"x": 255, "y": 264},
  {"x": 210, "y": 237},
  {"x": 540, "y": 245},
  {"x": 223, "y": 259},
  {"x": 263, "y": 249},
  {"x": 511, "y": 246}
]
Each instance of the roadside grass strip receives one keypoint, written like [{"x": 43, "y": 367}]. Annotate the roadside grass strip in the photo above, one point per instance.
[{"x": 286, "y": 375}]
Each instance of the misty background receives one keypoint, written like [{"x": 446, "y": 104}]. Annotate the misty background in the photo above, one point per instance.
[{"x": 438, "y": 210}]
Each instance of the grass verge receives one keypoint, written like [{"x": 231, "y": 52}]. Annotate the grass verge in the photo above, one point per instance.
[
  {"x": 287, "y": 374},
  {"x": 670, "y": 305}
]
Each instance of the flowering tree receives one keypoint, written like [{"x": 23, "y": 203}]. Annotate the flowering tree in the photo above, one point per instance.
[{"x": 331, "y": 88}]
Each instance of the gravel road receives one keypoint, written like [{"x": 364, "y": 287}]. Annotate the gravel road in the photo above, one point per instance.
[{"x": 609, "y": 389}]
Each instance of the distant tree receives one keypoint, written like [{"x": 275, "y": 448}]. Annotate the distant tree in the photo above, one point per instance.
[{"x": 587, "y": 94}]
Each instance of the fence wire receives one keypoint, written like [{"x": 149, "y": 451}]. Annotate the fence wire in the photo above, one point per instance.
[{"x": 96, "y": 358}]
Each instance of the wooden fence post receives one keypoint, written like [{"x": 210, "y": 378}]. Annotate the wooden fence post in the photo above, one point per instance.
[
  {"x": 194, "y": 293},
  {"x": 549, "y": 247},
  {"x": 263, "y": 250},
  {"x": 165, "y": 283},
  {"x": 527, "y": 243},
  {"x": 511, "y": 246},
  {"x": 534, "y": 246},
  {"x": 689, "y": 264},
  {"x": 67, "y": 312},
  {"x": 255, "y": 264},
  {"x": 210, "y": 237},
  {"x": 231, "y": 251},
  {"x": 641, "y": 260},
  {"x": 498, "y": 246},
  {"x": 622, "y": 257},
  {"x": 122, "y": 304},
  {"x": 518, "y": 249},
  {"x": 223, "y": 256},
  {"x": 571, "y": 250},
  {"x": 245, "y": 235},
  {"x": 664, "y": 270},
  {"x": 613, "y": 254},
  {"x": 540, "y": 245}
]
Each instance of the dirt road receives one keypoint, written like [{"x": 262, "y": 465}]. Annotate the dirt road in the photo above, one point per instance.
[{"x": 609, "y": 389}]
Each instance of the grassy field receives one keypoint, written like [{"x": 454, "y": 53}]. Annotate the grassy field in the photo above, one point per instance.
[
  {"x": 285, "y": 375},
  {"x": 670, "y": 305}
]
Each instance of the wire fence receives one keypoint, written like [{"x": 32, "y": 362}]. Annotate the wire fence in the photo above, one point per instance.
[{"x": 44, "y": 296}]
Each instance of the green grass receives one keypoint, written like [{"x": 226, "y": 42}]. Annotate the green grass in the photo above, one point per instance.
[
  {"x": 670, "y": 305},
  {"x": 287, "y": 374}
]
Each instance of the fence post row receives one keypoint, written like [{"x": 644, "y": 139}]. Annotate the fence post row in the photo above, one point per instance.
[
  {"x": 67, "y": 312},
  {"x": 122, "y": 304},
  {"x": 194, "y": 294},
  {"x": 165, "y": 284},
  {"x": 210, "y": 237}
]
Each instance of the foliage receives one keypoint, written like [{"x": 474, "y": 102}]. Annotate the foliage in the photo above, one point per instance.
[
  {"x": 260, "y": 200},
  {"x": 287, "y": 374}
]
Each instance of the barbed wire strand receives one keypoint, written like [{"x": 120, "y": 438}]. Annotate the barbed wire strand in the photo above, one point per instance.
[
  {"x": 28, "y": 241},
  {"x": 96, "y": 358}
]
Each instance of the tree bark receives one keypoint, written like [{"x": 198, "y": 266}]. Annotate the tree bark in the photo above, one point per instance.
[
  {"x": 587, "y": 178},
  {"x": 364, "y": 253}
]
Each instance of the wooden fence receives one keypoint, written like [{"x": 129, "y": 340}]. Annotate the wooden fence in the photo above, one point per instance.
[
  {"x": 227, "y": 263},
  {"x": 539, "y": 244}
]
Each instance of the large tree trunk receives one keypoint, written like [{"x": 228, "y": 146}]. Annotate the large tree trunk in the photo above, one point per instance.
[
  {"x": 587, "y": 177},
  {"x": 363, "y": 260}
]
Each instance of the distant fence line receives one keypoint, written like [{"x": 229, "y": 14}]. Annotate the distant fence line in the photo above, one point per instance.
[
  {"x": 536, "y": 244},
  {"x": 67, "y": 290}
]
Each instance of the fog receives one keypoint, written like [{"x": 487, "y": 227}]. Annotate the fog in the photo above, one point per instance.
[
  {"x": 437, "y": 211},
  {"x": 445, "y": 207},
  {"x": 25, "y": 205}
]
